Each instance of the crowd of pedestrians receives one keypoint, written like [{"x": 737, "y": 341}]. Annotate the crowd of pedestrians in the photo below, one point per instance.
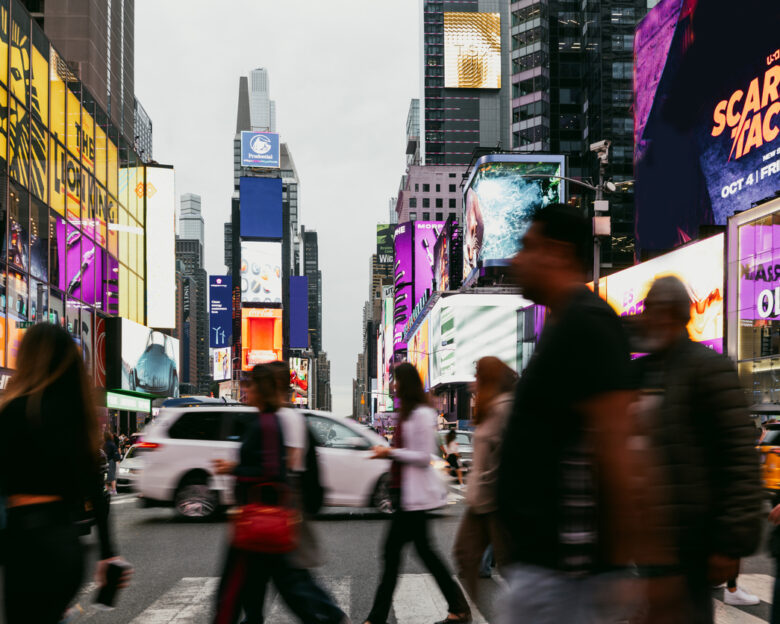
[{"x": 605, "y": 488}]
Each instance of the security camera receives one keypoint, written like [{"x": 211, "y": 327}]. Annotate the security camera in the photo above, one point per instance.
[{"x": 600, "y": 146}]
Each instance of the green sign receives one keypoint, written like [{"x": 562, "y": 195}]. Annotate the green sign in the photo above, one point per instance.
[
  {"x": 24, "y": 324},
  {"x": 114, "y": 400}
]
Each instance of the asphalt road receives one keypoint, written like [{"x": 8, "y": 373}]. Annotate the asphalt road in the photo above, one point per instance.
[{"x": 177, "y": 565}]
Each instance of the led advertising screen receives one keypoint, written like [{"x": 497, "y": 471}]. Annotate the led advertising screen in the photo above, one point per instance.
[
  {"x": 261, "y": 336},
  {"x": 466, "y": 327},
  {"x": 759, "y": 270},
  {"x": 472, "y": 50},
  {"x": 387, "y": 351},
  {"x": 261, "y": 207},
  {"x": 299, "y": 381},
  {"x": 501, "y": 196},
  {"x": 220, "y": 311},
  {"x": 403, "y": 275},
  {"x": 707, "y": 115},
  {"x": 160, "y": 247},
  {"x": 260, "y": 149},
  {"x": 299, "y": 312},
  {"x": 699, "y": 265},
  {"x": 384, "y": 243},
  {"x": 425, "y": 235},
  {"x": 222, "y": 364},
  {"x": 261, "y": 272},
  {"x": 447, "y": 258},
  {"x": 150, "y": 360},
  {"x": 419, "y": 353}
]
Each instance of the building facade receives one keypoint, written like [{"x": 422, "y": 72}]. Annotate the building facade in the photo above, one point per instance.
[
  {"x": 312, "y": 271},
  {"x": 194, "y": 345},
  {"x": 428, "y": 193},
  {"x": 191, "y": 225},
  {"x": 262, "y": 109}
]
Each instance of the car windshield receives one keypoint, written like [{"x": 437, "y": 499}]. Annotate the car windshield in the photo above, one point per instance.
[
  {"x": 771, "y": 438},
  {"x": 463, "y": 438},
  {"x": 134, "y": 452}
]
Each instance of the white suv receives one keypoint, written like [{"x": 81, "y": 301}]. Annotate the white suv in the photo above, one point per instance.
[{"x": 181, "y": 444}]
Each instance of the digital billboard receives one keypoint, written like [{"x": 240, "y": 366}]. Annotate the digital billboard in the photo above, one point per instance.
[
  {"x": 299, "y": 381},
  {"x": 463, "y": 328},
  {"x": 220, "y": 311},
  {"x": 261, "y": 272},
  {"x": 299, "y": 312},
  {"x": 384, "y": 243},
  {"x": 501, "y": 196},
  {"x": 707, "y": 115},
  {"x": 150, "y": 360},
  {"x": 403, "y": 276},
  {"x": 388, "y": 302},
  {"x": 448, "y": 258},
  {"x": 472, "y": 50},
  {"x": 222, "y": 364},
  {"x": 759, "y": 270},
  {"x": 419, "y": 353},
  {"x": 261, "y": 207},
  {"x": 259, "y": 149},
  {"x": 699, "y": 265},
  {"x": 425, "y": 235},
  {"x": 261, "y": 336},
  {"x": 160, "y": 247}
]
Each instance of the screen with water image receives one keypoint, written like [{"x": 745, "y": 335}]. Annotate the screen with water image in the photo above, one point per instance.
[{"x": 501, "y": 196}]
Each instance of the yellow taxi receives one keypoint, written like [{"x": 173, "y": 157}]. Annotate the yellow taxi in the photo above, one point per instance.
[{"x": 769, "y": 449}]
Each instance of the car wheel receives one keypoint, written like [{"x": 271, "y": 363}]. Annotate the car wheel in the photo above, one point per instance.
[
  {"x": 194, "y": 500},
  {"x": 381, "y": 499}
]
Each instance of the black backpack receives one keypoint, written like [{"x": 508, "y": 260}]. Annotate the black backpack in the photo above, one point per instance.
[{"x": 312, "y": 492}]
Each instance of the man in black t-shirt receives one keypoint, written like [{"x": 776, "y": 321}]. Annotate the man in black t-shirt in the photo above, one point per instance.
[{"x": 564, "y": 486}]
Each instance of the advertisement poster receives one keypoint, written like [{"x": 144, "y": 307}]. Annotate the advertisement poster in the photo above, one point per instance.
[
  {"x": 261, "y": 336},
  {"x": 707, "y": 115},
  {"x": 699, "y": 266},
  {"x": 759, "y": 271},
  {"x": 403, "y": 275},
  {"x": 472, "y": 50},
  {"x": 259, "y": 149},
  {"x": 150, "y": 360},
  {"x": 261, "y": 272},
  {"x": 502, "y": 195},
  {"x": 160, "y": 246},
  {"x": 222, "y": 364},
  {"x": 261, "y": 207},
  {"x": 299, "y": 381},
  {"x": 419, "y": 352},
  {"x": 384, "y": 243},
  {"x": 425, "y": 235},
  {"x": 220, "y": 311}
]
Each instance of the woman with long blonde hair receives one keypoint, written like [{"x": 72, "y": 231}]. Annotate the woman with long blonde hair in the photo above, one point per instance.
[
  {"x": 479, "y": 525},
  {"x": 47, "y": 485}
]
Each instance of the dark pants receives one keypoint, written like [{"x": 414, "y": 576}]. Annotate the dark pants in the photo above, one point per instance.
[
  {"x": 244, "y": 583},
  {"x": 700, "y": 606},
  {"x": 412, "y": 526},
  {"x": 44, "y": 564},
  {"x": 776, "y": 595}
]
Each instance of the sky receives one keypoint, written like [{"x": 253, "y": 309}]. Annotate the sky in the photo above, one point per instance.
[{"x": 342, "y": 74}]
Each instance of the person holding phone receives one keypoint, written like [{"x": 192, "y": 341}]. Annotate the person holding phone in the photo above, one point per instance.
[{"x": 46, "y": 486}]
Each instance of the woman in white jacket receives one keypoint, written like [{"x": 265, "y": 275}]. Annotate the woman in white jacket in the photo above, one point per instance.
[{"x": 417, "y": 490}]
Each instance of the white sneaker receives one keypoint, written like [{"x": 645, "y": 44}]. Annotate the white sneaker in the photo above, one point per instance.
[{"x": 739, "y": 597}]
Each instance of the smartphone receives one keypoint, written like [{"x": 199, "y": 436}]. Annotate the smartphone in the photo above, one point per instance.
[{"x": 108, "y": 593}]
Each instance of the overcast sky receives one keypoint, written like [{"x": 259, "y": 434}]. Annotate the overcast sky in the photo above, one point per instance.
[{"x": 342, "y": 74}]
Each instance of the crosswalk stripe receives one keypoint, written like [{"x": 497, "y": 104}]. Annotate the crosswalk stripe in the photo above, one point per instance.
[
  {"x": 339, "y": 588},
  {"x": 188, "y": 602},
  {"x": 726, "y": 614},
  {"x": 417, "y": 600},
  {"x": 762, "y": 585}
]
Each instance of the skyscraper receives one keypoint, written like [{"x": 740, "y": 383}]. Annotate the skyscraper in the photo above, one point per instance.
[
  {"x": 262, "y": 109},
  {"x": 466, "y": 95},
  {"x": 189, "y": 257},
  {"x": 191, "y": 224},
  {"x": 312, "y": 271}
]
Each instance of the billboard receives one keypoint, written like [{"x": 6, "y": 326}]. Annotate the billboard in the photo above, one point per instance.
[
  {"x": 472, "y": 50},
  {"x": 759, "y": 270},
  {"x": 220, "y": 311},
  {"x": 299, "y": 312},
  {"x": 403, "y": 276},
  {"x": 419, "y": 353},
  {"x": 260, "y": 149},
  {"x": 448, "y": 258},
  {"x": 261, "y": 336},
  {"x": 160, "y": 247},
  {"x": 463, "y": 328},
  {"x": 384, "y": 243},
  {"x": 150, "y": 360},
  {"x": 299, "y": 381},
  {"x": 699, "y": 265},
  {"x": 501, "y": 196},
  {"x": 707, "y": 115},
  {"x": 222, "y": 364},
  {"x": 261, "y": 272},
  {"x": 261, "y": 207},
  {"x": 425, "y": 235}
]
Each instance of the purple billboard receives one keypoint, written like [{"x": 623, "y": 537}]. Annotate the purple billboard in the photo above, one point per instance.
[
  {"x": 299, "y": 312},
  {"x": 759, "y": 271},
  {"x": 81, "y": 265},
  {"x": 706, "y": 115},
  {"x": 425, "y": 235},
  {"x": 403, "y": 269}
]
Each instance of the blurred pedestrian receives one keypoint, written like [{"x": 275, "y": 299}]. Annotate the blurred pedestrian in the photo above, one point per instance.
[
  {"x": 480, "y": 526},
  {"x": 734, "y": 595},
  {"x": 47, "y": 485},
  {"x": 416, "y": 490},
  {"x": 452, "y": 455},
  {"x": 565, "y": 486},
  {"x": 112, "y": 457},
  {"x": 774, "y": 551},
  {"x": 696, "y": 417}
]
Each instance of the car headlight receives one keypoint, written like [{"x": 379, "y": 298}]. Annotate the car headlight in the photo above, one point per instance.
[{"x": 124, "y": 471}]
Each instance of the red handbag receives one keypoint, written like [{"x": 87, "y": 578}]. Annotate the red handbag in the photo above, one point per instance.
[{"x": 264, "y": 528}]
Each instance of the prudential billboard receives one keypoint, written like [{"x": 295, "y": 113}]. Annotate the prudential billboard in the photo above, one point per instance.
[
  {"x": 220, "y": 311},
  {"x": 260, "y": 149}
]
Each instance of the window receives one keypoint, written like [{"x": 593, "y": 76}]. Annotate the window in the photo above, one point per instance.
[
  {"x": 412, "y": 216},
  {"x": 453, "y": 202},
  {"x": 426, "y": 188},
  {"x": 416, "y": 188},
  {"x": 331, "y": 434},
  {"x": 412, "y": 202},
  {"x": 426, "y": 216},
  {"x": 452, "y": 175},
  {"x": 623, "y": 15},
  {"x": 197, "y": 426},
  {"x": 622, "y": 125},
  {"x": 622, "y": 97},
  {"x": 426, "y": 202},
  {"x": 452, "y": 188},
  {"x": 440, "y": 216},
  {"x": 239, "y": 422},
  {"x": 438, "y": 188},
  {"x": 622, "y": 43},
  {"x": 440, "y": 202},
  {"x": 622, "y": 70}
]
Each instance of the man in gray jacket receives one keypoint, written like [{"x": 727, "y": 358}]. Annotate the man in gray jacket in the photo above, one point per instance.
[{"x": 706, "y": 489}]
